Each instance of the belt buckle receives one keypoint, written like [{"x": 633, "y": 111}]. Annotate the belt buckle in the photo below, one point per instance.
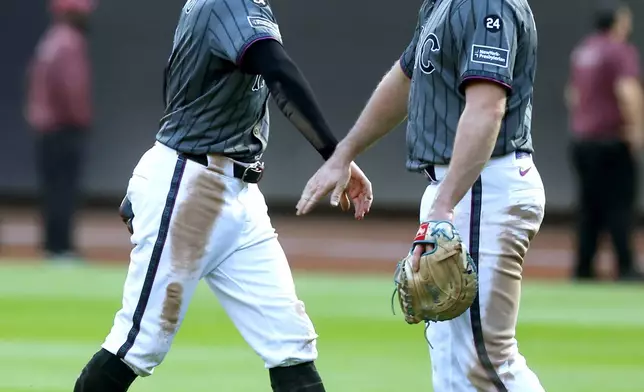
[{"x": 256, "y": 168}]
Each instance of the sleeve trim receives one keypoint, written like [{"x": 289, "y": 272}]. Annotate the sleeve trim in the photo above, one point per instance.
[
  {"x": 485, "y": 75},
  {"x": 404, "y": 68},
  {"x": 251, "y": 41}
]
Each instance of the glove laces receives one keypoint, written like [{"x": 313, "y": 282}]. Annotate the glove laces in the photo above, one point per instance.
[{"x": 427, "y": 322}]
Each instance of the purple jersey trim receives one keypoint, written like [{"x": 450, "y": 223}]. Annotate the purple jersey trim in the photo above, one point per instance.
[
  {"x": 250, "y": 42},
  {"x": 402, "y": 66},
  {"x": 486, "y": 78}
]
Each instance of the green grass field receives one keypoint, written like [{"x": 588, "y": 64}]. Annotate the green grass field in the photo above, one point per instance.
[{"x": 52, "y": 319}]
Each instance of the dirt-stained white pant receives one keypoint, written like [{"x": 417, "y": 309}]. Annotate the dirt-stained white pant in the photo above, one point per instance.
[
  {"x": 497, "y": 219},
  {"x": 193, "y": 222}
]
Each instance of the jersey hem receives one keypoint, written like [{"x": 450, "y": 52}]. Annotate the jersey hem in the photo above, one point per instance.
[{"x": 418, "y": 166}]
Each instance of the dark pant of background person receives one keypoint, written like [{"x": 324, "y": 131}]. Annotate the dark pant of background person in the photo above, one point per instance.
[
  {"x": 60, "y": 156},
  {"x": 607, "y": 176}
]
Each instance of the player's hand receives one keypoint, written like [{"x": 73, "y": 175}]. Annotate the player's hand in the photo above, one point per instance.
[
  {"x": 359, "y": 191},
  {"x": 347, "y": 182},
  {"x": 435, "y": 214}
]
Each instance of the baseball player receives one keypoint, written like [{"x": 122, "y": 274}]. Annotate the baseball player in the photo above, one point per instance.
[
  {"x": 195, "y": 211},
  {"x": 465, "y": 84}
]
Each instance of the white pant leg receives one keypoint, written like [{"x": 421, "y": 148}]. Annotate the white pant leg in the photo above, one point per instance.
[
  {"x": 497, "y": 220},
  {"x": 255, "y": 287},
  {"x": 178, "y": 206}
]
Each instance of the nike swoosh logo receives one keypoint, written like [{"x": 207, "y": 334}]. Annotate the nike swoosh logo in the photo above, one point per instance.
[{"x": 523, "y": 172}]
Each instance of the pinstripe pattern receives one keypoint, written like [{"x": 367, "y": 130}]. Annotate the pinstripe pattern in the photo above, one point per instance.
[
  {"x": 454, "y": 41},
  {"x": 211, "y": 106}
]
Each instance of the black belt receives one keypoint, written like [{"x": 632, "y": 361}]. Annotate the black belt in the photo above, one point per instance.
[
  {"x": 430, "y": 171},
  {"x": 251, "y": 173}
]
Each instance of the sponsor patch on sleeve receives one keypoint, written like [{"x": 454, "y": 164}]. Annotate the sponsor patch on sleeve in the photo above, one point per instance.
[
  {"x": 262, "y": 23},
  {"x": 489, "y": 55}
]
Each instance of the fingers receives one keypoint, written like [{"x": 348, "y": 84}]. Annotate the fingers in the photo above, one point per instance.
[
  {"x": 318, "y": 187},
  {"x": 345, "y": 204},
  {"x": 362, "y": 203},
  {"x": 359, "y": 211},
  {"x": 304, "y": 198},
  {"x": 361, "y": 191},
  {"x": 306, "y": 203},
  {"x": 368, "y": 197},
  {"x": 415, "y": 260},
  {"x": 310, "y": 196},
  {"x": 362, "y": 206},
  {"x": 337, "y": 194},
  {"x": 325, "y": 180},
  {"x": 367, "y": 200}
]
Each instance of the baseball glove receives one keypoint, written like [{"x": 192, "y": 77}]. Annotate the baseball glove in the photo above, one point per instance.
[{"x": 446, "y": 283}]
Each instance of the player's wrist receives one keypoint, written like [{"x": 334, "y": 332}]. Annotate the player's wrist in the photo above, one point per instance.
[
  {"x": 446, "y": 199},
  {"x": 327, "y": 151},
  {"x": 442, "y": 207},
  {"x": 345, "y": 152}
]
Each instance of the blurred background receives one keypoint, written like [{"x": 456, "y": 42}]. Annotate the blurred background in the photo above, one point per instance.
[{"x": 51, "y": 319}]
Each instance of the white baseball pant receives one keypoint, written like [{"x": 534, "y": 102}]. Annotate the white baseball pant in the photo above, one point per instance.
[
  {"x": 497, "y": 219},
  {"x": 193, "y": 222}
]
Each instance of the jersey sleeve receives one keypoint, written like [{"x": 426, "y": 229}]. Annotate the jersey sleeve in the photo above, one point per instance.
[
  {"x": 408, "y": 58},
  {"x": 485, "y": 34},
  {"x": 235, "y": 25}
]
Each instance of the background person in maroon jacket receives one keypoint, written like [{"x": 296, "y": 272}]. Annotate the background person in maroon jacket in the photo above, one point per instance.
[
  {"x": 604, "y": 96},
  {"x": 58, "y": 109}
]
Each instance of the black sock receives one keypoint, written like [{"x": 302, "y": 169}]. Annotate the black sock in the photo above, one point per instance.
[
  {"x": 105, "y": 372},
  {"x": 299, "y": 378}
]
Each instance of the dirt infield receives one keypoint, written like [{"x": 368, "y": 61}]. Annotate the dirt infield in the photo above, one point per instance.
[{"x": 331, "y": 244}]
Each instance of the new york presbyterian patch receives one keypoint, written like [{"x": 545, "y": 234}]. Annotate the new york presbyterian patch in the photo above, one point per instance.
[
  {"x": 490, "y": 55},
  {"x": 263, "y": 23}
]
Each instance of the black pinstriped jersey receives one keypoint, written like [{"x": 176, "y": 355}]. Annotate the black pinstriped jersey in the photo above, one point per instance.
[
  {"x": 211, "y": 106},
  {"x": 456, "y": 41}
]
